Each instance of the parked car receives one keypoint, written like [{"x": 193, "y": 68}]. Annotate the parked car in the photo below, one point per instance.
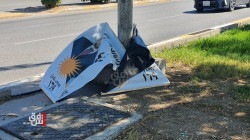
[{"x": 200, "y": 5}]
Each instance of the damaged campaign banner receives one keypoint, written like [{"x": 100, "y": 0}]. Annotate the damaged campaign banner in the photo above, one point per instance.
[
  {"x": 97, "y": 56},
  {"x": 81, "y": 61}
]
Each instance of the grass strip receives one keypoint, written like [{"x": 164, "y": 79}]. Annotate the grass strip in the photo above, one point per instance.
[{"x": 223, "y": 56}]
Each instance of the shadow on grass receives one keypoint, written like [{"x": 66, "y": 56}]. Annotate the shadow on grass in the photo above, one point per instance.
[
  {"x": 211, "y": 70},
  {"x": 190, "y": 108},
  {"x": 243, "y": 92}
]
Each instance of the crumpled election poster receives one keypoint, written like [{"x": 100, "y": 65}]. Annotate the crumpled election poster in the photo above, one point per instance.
[{"x": 97, "y": 56}]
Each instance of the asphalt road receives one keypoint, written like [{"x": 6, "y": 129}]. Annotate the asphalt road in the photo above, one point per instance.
[
  {"x": 16, "y": 5},
  {"x": 29, "y": 45}
]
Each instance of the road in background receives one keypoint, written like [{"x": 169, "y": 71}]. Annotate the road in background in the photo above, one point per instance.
[
  {"x": 16, "y": 5},
  {"x": 29, "y": 45}
]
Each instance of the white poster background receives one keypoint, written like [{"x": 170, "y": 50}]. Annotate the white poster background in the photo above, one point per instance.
[
  {"x": 59, "y": 89},
  {"x": 150, "y": 77}
]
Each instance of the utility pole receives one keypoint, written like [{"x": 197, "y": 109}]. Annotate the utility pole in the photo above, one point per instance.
[{"x": 125, "y": 21}]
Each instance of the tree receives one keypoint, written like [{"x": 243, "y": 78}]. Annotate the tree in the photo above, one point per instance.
[{"x": 50, "y": 3}]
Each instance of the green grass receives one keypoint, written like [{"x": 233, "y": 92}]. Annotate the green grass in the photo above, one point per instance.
[
  {"x": 222, "y": 56},
  {"x": 243, "y": 92}
]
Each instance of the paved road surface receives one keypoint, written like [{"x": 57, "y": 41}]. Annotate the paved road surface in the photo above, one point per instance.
[
  {"x": 15, "y": 5},
  {"x": 29, "y": 45}
]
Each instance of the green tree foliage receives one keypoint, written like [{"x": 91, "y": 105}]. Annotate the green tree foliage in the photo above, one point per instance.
[{"x": 50, "y": 3}]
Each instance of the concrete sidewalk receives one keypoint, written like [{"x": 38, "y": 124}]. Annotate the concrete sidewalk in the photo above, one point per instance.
[{"x": 63, "y": 8}]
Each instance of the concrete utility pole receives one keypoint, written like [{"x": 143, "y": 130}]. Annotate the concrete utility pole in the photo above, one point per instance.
[{"x": 125, "y": 21}]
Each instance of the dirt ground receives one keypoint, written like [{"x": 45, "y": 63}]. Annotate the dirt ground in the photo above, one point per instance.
[{"x": 188, "y": 108}]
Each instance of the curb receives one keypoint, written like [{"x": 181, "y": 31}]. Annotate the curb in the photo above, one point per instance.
[
  {"x": 7, "y": 136},
  {"x": 13, "y": 15},
  {"x": 114, "y": 130},
  {"x": 178, "y": 41},
  {"x": 20, "y": 87},
  {"x": 63, "y": 9}
]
